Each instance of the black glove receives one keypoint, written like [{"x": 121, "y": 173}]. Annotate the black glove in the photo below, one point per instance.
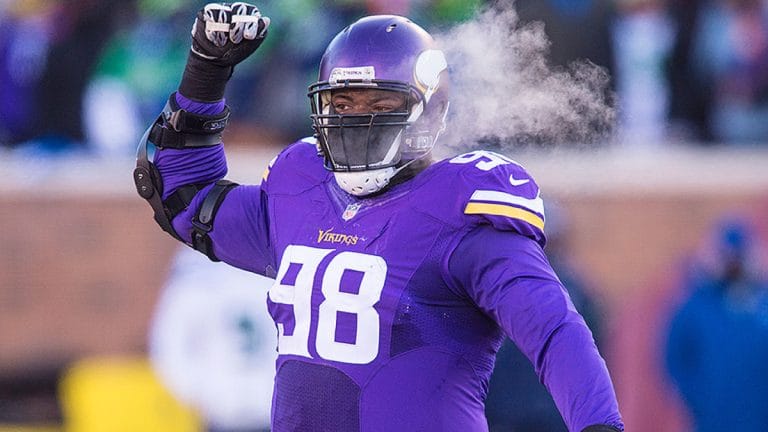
[
  {"x": 223, "y": 35},
  {"x": 600, "y": 428}
]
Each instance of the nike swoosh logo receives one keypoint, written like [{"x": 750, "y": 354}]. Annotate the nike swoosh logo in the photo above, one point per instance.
[{"x": 517, "y": 182}]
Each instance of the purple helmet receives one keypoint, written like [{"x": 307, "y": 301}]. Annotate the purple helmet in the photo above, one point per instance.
[{"x": 388, "y": 53}]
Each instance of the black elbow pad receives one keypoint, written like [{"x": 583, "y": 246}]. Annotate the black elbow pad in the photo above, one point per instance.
[{"x": 173, "y": 128}]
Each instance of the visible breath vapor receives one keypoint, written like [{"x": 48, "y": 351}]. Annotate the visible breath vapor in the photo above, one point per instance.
[{"x": 504, "y": 91}]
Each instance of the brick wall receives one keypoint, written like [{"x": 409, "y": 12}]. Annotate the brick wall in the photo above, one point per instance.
[
  {"x": 81, "y": 263},
  {"x": 77, "y": 277}
]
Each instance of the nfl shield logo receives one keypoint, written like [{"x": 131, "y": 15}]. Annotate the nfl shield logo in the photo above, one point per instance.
[{"x": 351, "y": 211}]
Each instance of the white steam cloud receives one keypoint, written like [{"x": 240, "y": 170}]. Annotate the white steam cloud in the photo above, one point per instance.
[{"x": 504, "y": 91}]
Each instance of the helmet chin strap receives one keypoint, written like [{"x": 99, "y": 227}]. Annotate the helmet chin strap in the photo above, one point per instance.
[{"x": 362, "y": 183}]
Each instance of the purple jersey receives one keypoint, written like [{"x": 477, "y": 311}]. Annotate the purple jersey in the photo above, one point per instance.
[{"x": 390, "y": 309}]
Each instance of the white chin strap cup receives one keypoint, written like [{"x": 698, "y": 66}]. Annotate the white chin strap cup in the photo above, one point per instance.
[{"x": 363, "y": 183}]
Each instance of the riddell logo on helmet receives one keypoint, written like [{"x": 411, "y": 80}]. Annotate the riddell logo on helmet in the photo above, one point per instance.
[
  {"x": 328, "y": 236},
  {"x": 363, "y": 73}
]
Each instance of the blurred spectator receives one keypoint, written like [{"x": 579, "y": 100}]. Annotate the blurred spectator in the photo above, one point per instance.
[
  {"x": 577, "y": 29},
  {"x": 690, "y": 97},
  {"x": 579, "y": 35},
  {"x": 719, "y": 71},
  {"x": 25, "y": 38},
  {"x": 86, "y": 73},
  {"x": 643, "y": 35},
  {"x": 517, "y": 401},
  {"x": 72, "y": 35},
  {"x": 137, "y": 64},
  {"x": 213, "y": 343},
  {"x": 717, "y": 346},
  {"x": 284, "y": 67}
]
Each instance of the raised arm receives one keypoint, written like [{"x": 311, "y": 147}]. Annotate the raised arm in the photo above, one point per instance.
[{"x": 181, "y": 161}]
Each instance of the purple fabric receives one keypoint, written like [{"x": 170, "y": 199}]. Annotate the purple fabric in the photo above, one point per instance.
[
  {"x": 199, "y": 107},
  {"x": 509, "y": 277},
  {"x": 180, "y": 167},
  {"x": 241, "y": 230},
  {"x": 379, "y": 313},
  {"x": 419, "y": 391}
]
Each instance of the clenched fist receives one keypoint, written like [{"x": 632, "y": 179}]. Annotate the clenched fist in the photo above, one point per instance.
[
  {"x": 223, "y": 35},
  {"x": 227, "y": 34}
]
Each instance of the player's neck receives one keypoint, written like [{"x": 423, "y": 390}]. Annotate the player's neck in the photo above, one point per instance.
[{"x": 411, "y": 171}]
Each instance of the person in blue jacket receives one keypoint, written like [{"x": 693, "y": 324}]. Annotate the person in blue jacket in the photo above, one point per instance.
[{"x": 717, "y": 346}]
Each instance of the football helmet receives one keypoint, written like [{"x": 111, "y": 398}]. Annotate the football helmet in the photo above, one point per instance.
[{"x": 388, "y": 53}]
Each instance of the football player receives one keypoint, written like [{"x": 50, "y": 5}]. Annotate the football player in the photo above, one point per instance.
[{"x": 396, "y": 277}]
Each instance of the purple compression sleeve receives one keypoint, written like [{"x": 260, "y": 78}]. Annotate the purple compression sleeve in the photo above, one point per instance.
[{"x": 179, "y": 167}]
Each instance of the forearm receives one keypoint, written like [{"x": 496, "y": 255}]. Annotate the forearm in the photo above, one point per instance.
[
  {"x": 509, "y": 277},
  {"x": 187, "y": 173},
  {"x": 207, "y": 108},
  {"x": 243, "y": 210},
  {"x": 578, "y": 379},
  {"x": 562, "y": 350},
  {"x": 179, "y": 167},
  {"x": 205, "y": 166},
  {"x": 190, "y": 166},
  {"x": 210, "y": 63},
  {"x": 181, "y": 161}
]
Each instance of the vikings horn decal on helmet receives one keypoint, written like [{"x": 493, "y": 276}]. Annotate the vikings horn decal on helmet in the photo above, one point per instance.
[{"x": 389, "y": 53}]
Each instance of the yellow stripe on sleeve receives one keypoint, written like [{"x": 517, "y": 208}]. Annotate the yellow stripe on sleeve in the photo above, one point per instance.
[
  {"x": 265, "y": 175},
  {"x": 505, "y": 210}
]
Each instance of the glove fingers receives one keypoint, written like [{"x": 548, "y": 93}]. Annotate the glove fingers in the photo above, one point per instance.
[
  {"x": 265, "y": 21},
  {"x": 246, "y": 21},
  {"x": 257, "y": 30},
  {"x": 217, "y": 23},
  {"x": 226, "y": 34},
  {"x": 200, "y": 43}
]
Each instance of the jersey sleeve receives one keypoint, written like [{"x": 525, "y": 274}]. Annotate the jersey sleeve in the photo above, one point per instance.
[
  {"x": 242, "y": 230},
  {"x": 240, "y": 234},
  {"x": 508, "y": 276},
  {"x": 498, "y": 191}
]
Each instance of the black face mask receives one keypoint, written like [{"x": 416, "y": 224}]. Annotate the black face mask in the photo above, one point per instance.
[{"x": 359, "y": 142}]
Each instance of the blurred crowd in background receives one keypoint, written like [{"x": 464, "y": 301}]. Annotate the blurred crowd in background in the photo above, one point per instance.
[
  {"x": 87, "y": 76},
  {"x": 68, "y": 69}
]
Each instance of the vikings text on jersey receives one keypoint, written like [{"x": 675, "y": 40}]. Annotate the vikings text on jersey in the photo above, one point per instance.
[{"x": 389, "y": 309}]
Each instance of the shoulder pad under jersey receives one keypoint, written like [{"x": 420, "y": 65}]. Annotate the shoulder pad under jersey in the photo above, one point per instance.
[
  {"x": 489, "y": 188},
  {"x": 295, "y": 169}
]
